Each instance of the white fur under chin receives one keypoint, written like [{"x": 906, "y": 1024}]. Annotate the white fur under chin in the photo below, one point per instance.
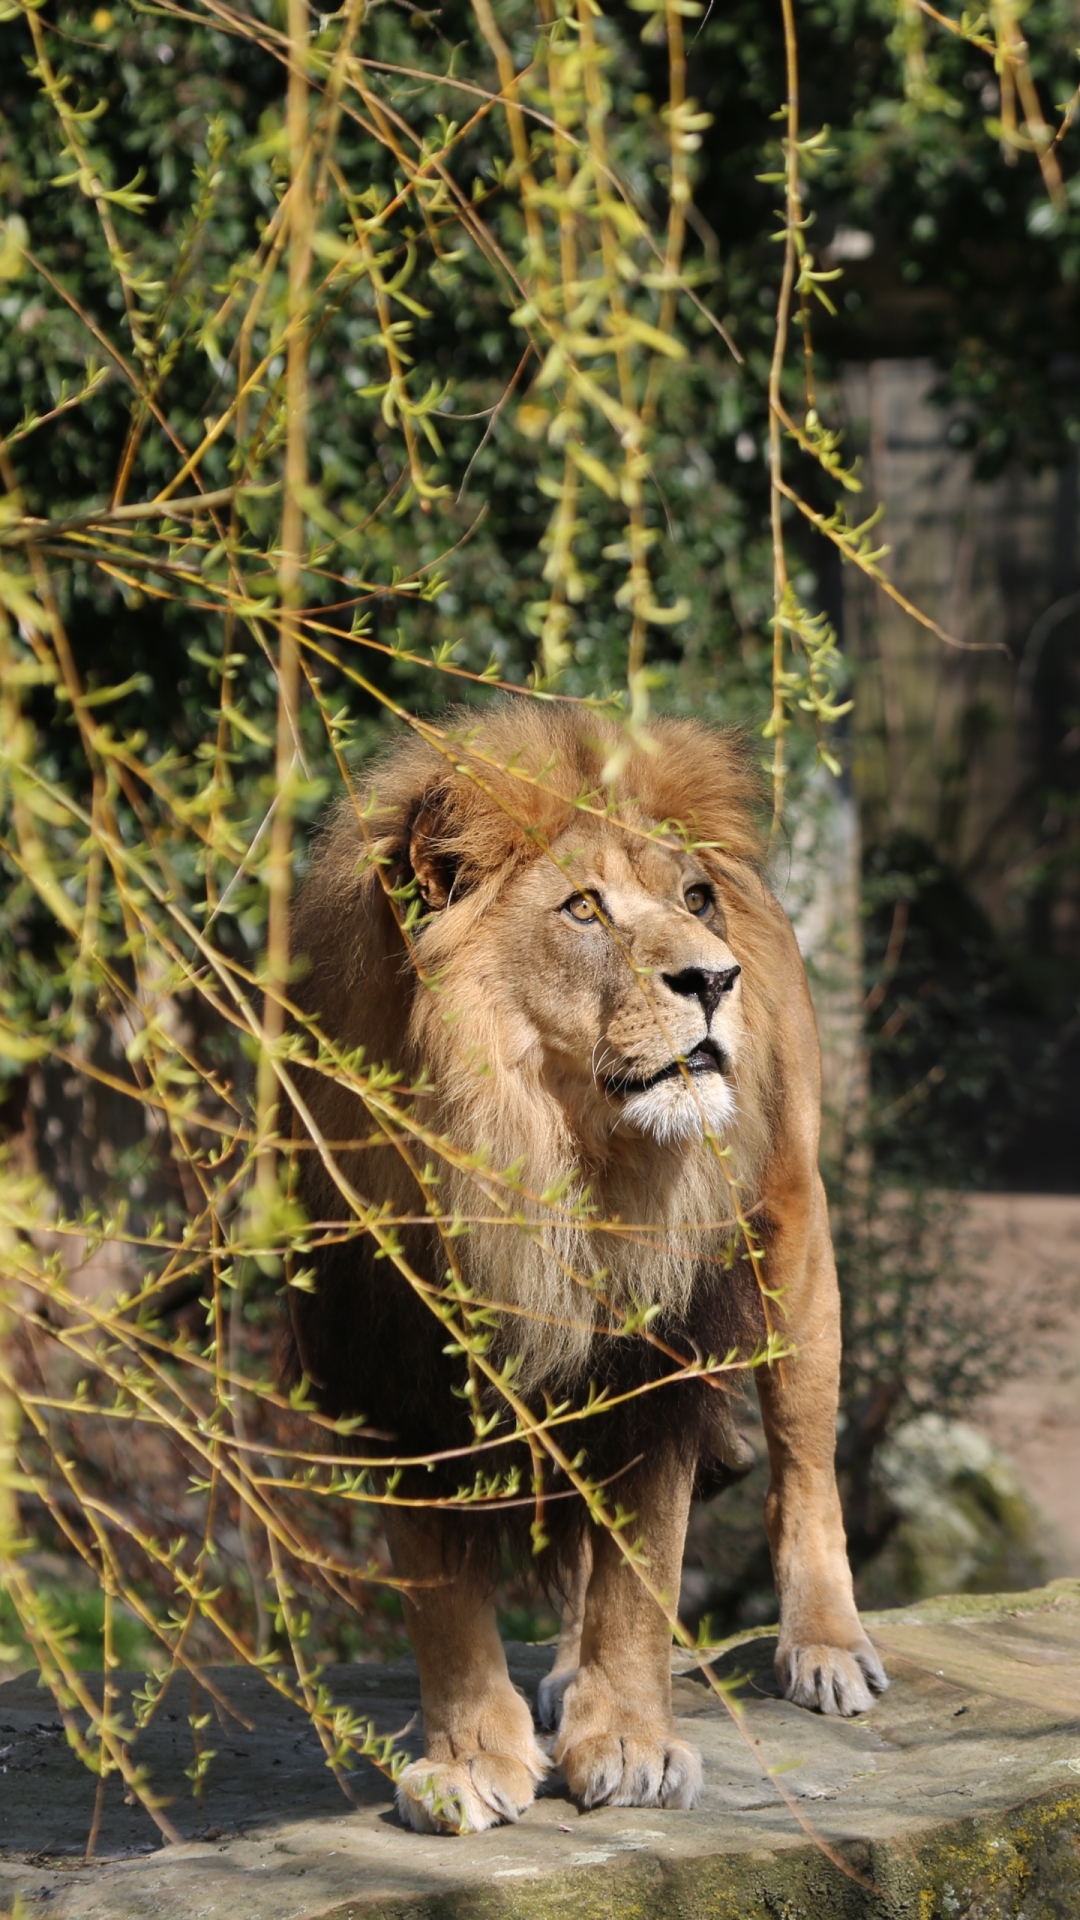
[{"x": 672, "y": 1111}]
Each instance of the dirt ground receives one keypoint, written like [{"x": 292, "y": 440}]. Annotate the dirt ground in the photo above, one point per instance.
[{"x": 1028, "y": 1249}]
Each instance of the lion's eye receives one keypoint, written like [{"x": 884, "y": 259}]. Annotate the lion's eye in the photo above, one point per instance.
[
  {"x": 582, "y": 907},
  {"x": 698, "y": 899}
]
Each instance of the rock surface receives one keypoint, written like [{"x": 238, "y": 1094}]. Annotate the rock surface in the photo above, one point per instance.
[
  {"x": 958, "y": 1798},
  {"x": 966, "y": 1523}
]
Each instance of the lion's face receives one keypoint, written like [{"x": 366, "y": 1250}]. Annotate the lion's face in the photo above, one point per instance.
[{"x": 606, "y": 965}]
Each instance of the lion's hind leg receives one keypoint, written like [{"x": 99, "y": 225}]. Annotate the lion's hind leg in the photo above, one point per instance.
[
  {"x": 481, "y": 1763},
  {"x": 552, "y": 1688}
]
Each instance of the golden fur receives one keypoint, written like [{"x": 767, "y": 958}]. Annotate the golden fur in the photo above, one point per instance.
[
  {"x": 642, "y": 1050},
  {"x": 487, "y": 825}
]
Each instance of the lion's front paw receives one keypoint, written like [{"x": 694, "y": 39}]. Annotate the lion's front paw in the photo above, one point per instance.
[
  {"x": 633, "y": 1770},
  {"x": 833, "y": 1679},
  {"x": 466, "y": 1795}
]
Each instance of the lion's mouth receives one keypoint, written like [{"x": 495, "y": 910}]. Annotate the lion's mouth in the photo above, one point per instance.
[{"x": 707, "y": 1057}]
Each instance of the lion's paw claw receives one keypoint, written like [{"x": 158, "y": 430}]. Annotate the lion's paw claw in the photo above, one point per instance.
[
  {"x": 833, "y": 1679},
  {"x": 466, "y": 1795},
  {"x": 609, "y": 1770}
]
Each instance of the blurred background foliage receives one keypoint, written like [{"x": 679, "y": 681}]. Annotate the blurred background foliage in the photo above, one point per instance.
[{"x": 950, "y": 249}]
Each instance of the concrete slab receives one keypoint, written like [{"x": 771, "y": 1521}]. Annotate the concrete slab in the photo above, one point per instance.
[{"x": 959, "y": 1795}]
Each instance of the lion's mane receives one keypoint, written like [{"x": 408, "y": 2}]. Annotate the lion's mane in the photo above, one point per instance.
[{"x": 493, "y": 792}]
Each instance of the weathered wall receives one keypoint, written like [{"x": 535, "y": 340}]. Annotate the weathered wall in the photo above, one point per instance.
[{"x": 951, "y": 743}]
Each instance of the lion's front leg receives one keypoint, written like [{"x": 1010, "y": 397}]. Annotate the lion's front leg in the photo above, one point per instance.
[
  {"x": 481, "y": 1762},
  {"x": 823, "y": 1657},
  {"x": 617, "y": 1742}
]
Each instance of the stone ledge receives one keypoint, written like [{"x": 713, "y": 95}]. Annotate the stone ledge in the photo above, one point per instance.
[{"x": 959, "y": 1797}]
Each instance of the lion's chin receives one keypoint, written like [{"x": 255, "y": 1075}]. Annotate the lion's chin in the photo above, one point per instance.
[{"x": 672, "y": 1111}]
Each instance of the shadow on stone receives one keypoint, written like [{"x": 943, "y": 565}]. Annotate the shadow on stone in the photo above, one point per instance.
[{"x": 959, "y": 1795}]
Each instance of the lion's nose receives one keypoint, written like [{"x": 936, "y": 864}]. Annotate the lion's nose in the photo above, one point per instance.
[{"x": 701, "y": 983}]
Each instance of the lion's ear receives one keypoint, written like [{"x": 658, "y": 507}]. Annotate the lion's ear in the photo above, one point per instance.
[{"x": 430, "y": 861}]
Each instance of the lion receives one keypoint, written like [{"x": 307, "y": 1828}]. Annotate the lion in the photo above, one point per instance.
[{"x": 559, "y": 943}]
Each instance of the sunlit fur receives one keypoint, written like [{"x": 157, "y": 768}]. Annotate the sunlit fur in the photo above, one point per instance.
[
  {"x": 601, "y": 1008},
  {"x": 478, "y": 998}
]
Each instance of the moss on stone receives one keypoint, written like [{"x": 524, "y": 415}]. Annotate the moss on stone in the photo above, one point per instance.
[{"x": 1022, "y": 1865}]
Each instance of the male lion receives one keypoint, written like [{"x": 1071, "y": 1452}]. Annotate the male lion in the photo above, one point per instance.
[{"x": 601, "y": 992}]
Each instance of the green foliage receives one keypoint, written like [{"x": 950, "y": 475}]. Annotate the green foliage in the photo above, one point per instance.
[
  {"x": 348, "y": 363},
  {"x": 972, "y": 262},
  {"x": 78, "y": 1614}
]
